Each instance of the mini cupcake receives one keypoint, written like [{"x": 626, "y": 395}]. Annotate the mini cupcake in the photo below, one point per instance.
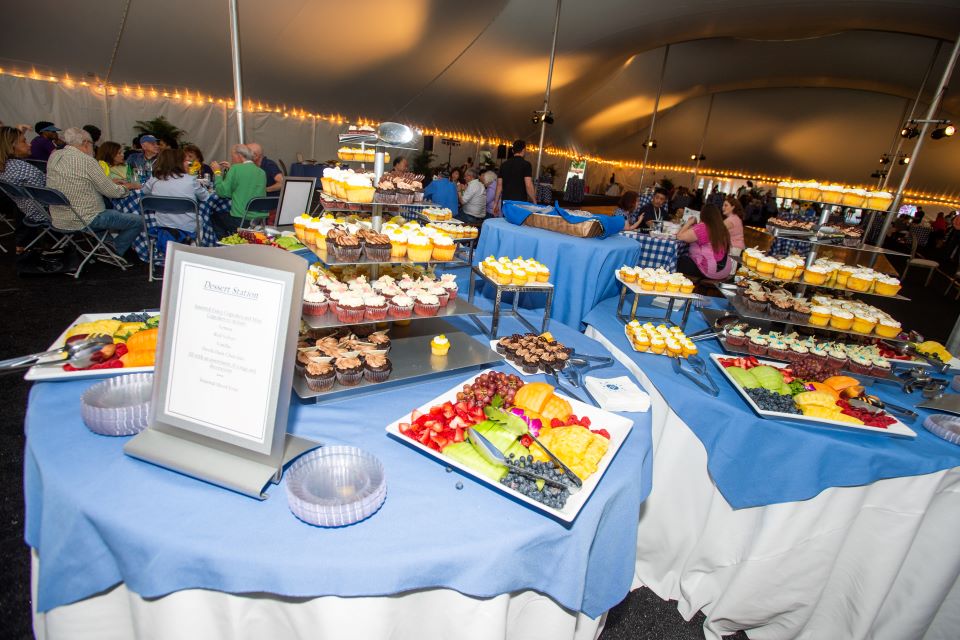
[
  {"x": 818, "y": 353},
  {"x": 375, "y": 307},
  {"x": 376, "y": 367},
  {"x": 441, "y": 344},
  {"x": 780, "y": 308},
  {"x": 320, "y": 376},
  {"x": 441, "y": 293},
  {"x": 657, "y": 344},
  {"x": 887, "y": 328},
  {"x": 860, "y": 363},
  {"x": 314, "y": 304},
  {"x": 303, "y": 359},
  {"x": 347, "y": 248},
  {"x": 758, "y": 346},
  {"x": 377, "y": 247},
  {"x": 426, "y": 304},
  {"x": 798, "y": 352},
  {"x": 777, "y": 349},
  {"x": 736, "y": 337},
  {"x": 349, "y": 370},
  {"x": 756, "y": 301},
  {"x": 841, "y": 319},
  {"x": 886, "y": 285},
  {"x": 380, "y": 340},
  {"x": 861, "y": 281},
  {"x": 419, "y": 248},
  {"x": 766, "y": 265},
  {"x": 784, "y": 269},
  {"x": 350, "y": 309},
  {"x": 816, "y": 274},
  {"x": 837, "y": 358},
  {"x": 800, "y": 313},
  {"x": 398, "y": 243},
  {"x": 451, "y": 288},
  {"x": 864, "y": 322},
  {"x": 820, "y": 315},
  {"x": 401, "y": 306},
  {"x": 880, "y": 367}
]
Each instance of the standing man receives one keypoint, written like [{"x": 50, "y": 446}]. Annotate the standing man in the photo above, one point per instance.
[
  {"x": 442, "y": 192},
  {"x": 270, "y": 168},
  {"x": 516, "y": 178},
  {"x": 74, "y": 172},
  {"x": 654, "y": 211},
  {"x": 473, "y": 199},
  {"x": 144, "y": 159},
  {"x": 46, "y": 141},
  {"x": 244, "y": 181},
  {"x": 919, "y": 215}
]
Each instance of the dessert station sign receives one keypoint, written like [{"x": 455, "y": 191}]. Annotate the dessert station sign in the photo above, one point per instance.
[{"x": 230, "y": 318}]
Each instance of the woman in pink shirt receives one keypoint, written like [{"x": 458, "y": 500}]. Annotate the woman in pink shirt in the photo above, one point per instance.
[
  {"x": 733, "y": 221},
  {"x": 709, "y": 243}
]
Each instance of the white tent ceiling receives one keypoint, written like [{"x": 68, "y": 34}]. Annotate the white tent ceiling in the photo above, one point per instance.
[{"x": 802, "y": 87}]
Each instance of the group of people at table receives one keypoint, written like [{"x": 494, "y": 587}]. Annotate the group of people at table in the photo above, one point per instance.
[
  {"x": 711, "y": 241},
  {"x": 87, "y": 174}
]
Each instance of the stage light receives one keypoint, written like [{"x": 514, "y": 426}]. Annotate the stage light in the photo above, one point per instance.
[
  {"x": 694, "y": 157},
  {"x": 909, "y": 131},
  {"x": 884, "y": 159},
  {"x": 904, "y": 160},
  {"x": 650, "y": 144},
  {"x": 943, "y": 132}
]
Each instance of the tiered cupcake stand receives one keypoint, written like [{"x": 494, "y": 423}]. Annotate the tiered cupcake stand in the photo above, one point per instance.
[
  {"x": 516, "y": 289},
  {"x": 686, "y": 301}
]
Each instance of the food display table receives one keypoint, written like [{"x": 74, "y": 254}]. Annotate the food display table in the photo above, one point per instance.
[
  {"x": 584, "y": 268},
  {"x": 125, "y": 549},
  {"x": 791, "y": 530}
]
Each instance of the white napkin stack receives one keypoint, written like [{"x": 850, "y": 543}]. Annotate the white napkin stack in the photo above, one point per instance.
[{"x": 618, "y": 394}]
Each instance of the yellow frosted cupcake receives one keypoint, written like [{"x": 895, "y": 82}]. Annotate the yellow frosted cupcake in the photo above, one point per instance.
[
  {"x": 627, "y": 274},
  {"x": 641, "y": 342},
  {"x": 419, "y": 248},
  {"x": 443, "y": 247},
  {"x": 766, "y": 265},
  {"x": 543, "y": 274},
  {"x": 887, "y": 328},
  {"x": 815, "y": 274},
  {"x": 687, "y": 286},
  {"x": 841, "y": 319},
  {"x": 860, "y": 281},
  {"x": 660, "y": 283},
  {"x": 843, "y": 275},
  {"x": 647, "y": 283},
  {"x": 657, "y": 344},
  {"x": 674, "y": 348},
  {"x": 520, "y": 277},
  {"x": 784, "y": 269},
  {"x": 886, "y": 286},
  {"x": 439, "y": 345},
  {"x": 820, "y": 315},
  {"x": 864, "y": 323}
]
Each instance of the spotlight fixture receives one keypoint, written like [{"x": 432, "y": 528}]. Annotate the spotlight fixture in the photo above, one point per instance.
[
  {"x": 877, "y": 174},
  {"x": 943, "y": 132},
  {"x": 909, "y": 130},
  {"x": 540, "y": 117},
  {"x": 650, "y": 144},
  {"x": 695, "y": 157},
  {"x": 904, "y": 160},
  {"x": 884, "y": 159}
]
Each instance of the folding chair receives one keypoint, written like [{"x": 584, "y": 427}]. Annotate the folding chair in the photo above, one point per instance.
[
  {"x": 169, "y": 205},
  {"x": 3, "y": 218},
  {"x": 96, "y": 240},
  {"x": 258, "y": 209},
  {"x": 17, "y": 193}
]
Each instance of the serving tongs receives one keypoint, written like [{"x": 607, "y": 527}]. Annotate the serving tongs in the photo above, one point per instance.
[
  {"x": 907, "y": 349},
  {"x": 494, "y": 456},
  {"x": 566, "y": 390},
  {"x": 581, "y": 364},
  {"x": 874, "y": 404},
  {"x": 699, "y": 371},
  {"x": 78, "y": 354}
]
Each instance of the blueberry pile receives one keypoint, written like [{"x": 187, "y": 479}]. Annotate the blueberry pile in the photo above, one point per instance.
[
  {"x": 133, "y": 317},
  {"x": 549, "y": 495},
  {"x": 772, "y": 401}
]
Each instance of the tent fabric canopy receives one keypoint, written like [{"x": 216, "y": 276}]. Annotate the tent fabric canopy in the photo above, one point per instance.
[{"x": 809, "y": 88}]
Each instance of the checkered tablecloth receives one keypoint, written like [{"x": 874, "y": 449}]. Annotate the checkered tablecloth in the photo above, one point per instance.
[
  {"x": 786, "y": 246},
  {"x": 131, "y": 204},
  {"x": 657, "y": 252}
]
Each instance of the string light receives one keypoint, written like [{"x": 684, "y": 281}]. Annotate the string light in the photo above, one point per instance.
[{"x": 197, "y": 98}]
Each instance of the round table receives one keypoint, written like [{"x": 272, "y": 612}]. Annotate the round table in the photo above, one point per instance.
[{"x": 126, "y": 549}]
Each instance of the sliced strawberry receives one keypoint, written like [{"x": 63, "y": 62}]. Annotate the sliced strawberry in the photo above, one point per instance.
[
  {"x": 414, "y": 415},
  {"x": 459, "y": 423},
  {"x": 526, "y": 440},
  {"x": 556, "y": 422},
  {"x": 448, "y": 410},
  {"x": 424, "y": 437},
  {"x": 458, "y": 435},
  {"x": 602, "y": 432},
  {"x": 404, "y": 427},
  {"x": 121, "y": 350},
  {"x": 436, "y": 411}
]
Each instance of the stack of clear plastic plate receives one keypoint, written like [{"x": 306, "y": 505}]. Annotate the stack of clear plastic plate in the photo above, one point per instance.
[
  {"x": 947, "y": 427},
  {"x": 118, "y": 406},
  {"x": 335, "y": 486}
]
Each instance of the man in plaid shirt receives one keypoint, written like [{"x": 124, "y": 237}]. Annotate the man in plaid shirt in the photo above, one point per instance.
[{"x": 74, "y": 172}]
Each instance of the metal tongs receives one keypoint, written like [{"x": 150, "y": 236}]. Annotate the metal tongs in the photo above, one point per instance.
[
  {"x": 700, "y": 369},
  {"x": 874, "y": 404},
  {"x": 79, "y": 354},
  {"x": 581, "y": 364},
  {"x": 495, "y": 456}
]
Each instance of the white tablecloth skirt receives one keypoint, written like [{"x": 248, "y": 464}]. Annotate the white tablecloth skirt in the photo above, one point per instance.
[
  {"x": 880, "y": 561},
  {"x": 120, "y": 614}
]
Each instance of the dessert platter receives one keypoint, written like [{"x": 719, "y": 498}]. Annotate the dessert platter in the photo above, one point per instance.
[
  {"x": 285, "y": 240},
  {"x": 127, "y": 344},
  {"x": 530, "y": 353},
  {"x": 659, "y": 340},
  {"x": 536, "y": 447},
  {"x": 774, "y": 390},
  {"x": 512, "y": 275}
]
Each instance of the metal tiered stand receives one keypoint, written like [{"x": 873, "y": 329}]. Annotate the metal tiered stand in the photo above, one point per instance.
[
  {"x": 410, "y": 351},
  {"x": 516, "y": 290}
]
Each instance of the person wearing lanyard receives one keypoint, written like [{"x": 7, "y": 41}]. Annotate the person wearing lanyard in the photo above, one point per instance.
[{"x": 654, "y": 211}]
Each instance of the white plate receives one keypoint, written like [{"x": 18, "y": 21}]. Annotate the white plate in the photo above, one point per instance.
[
  {"x": 636, "y": 288},
  {"x": 41, "y": 374},
  {"x": 896, "y": 430},
  {"x": 617, "y": 426}
]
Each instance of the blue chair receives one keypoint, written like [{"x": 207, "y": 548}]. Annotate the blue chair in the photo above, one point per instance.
[
  {"x": 16, "y": 195},
  {"x": 258, "y": 209},
  {"x": 97, "y": 246},
  {"x": 168, "y": 205}
]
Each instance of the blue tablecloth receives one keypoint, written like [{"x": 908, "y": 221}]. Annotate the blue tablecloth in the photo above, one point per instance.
[
  {"x": 582, "y": 270},
  {"x": 757, "y": 462},
  {"x": 299, "y": 169},
  {"x": 97, "y": 517},
  {"x": 208, "y": 238}
]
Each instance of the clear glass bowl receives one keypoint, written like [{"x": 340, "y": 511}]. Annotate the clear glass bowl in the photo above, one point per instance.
[
  {"x": 335, "y": 486},
  {"x": 944, "y": 426},
  {"x": 118, "y": 406}
]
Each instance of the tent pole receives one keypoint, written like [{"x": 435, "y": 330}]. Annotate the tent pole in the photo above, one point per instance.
[
  {"x": 313, "y": 139},
  {"x": 653, "y": 118},
  {"x": 913, "y": 109},
  {"x": 703, "y": 138},
  {"x": 931, "y": 114},
  {"x": 237, "y": 72},
  {"x": 546, "y": 95}
]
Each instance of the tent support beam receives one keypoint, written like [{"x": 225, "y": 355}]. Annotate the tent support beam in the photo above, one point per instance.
[
  {"x": 546, "y": 95},
  {"x": 653, "y": 118},
  {"x": 237, "y": 71},
  {"x": 703, "y": 138},
  {"x": 924, "y": 129}
]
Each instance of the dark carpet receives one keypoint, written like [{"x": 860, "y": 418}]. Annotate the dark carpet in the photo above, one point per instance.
[{"x": 39, "y": 308}]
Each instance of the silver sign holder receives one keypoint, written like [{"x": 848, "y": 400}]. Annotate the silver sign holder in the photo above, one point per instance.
[{"x": 229, "y": 322}]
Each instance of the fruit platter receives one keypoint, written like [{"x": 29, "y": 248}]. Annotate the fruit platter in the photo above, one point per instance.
[
  {"x": 518, "y": 419},
  {"x": 133, "y": 349},
  {"x": 773, "y": 391},
  {"x": 248, "y": 236}
]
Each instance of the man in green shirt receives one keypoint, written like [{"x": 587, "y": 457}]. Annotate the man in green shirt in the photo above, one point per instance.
[{"x": 243, "y": 181}]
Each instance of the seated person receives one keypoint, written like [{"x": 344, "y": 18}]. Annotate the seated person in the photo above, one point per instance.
[
  {"x": 244, "y": 181},
  {"x": 654, "y": 211},
  {"x": 170, "y": 178},
  {"x": 194, "y": 157},
  {"x": 74, "y": 172},
  {"x": 709, "y": 243},
  {"x": 270, "y": 168},
  {"x": 110, "y": 157},
  {"x": 733, "y": 221},
  {"x": 13, "y": 147},
  {"x": 627, "y": 209}
]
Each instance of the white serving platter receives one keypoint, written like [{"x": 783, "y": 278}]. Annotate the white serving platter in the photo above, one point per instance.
[
  {"x": 617, "y": 426},
  {"x": 48, "y": 374},
  {"x": 895, "y": 430},
  {"x": 636, "y": 288}
]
